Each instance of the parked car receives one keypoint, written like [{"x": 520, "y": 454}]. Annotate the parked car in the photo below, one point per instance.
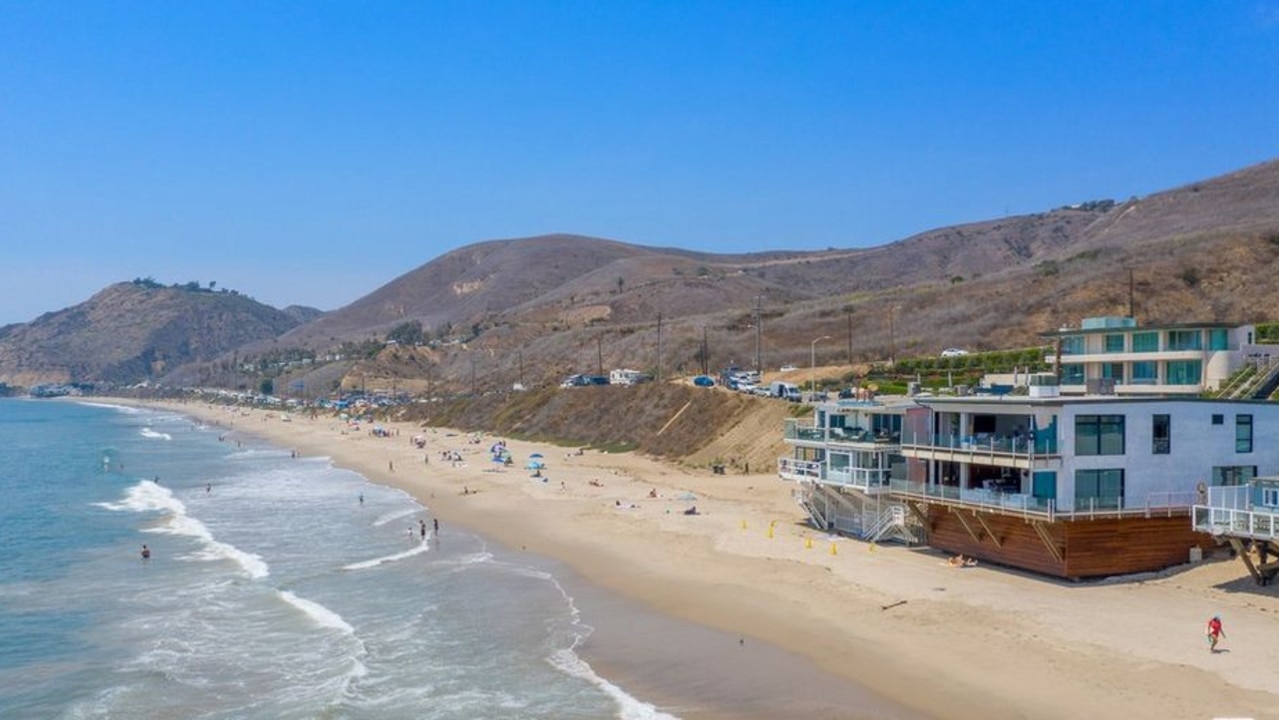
[
  {"x": 704, "y": 381},
  {"x": 953, "y": 352},
  {"x": 788, "y": 368}
]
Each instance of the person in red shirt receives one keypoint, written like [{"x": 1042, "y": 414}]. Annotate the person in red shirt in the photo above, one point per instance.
[{"x": 1215, "y": 633}]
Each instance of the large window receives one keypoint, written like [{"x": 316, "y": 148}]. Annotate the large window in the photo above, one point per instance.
[
  {"x": 1161, "y": 434},
  {"x": 1072, "y": 374},
  {"x": 1145, "y": 342},
  {"x": 1113, "y": 343},
  {"x": 1185, "y": 340},
  {"x": 1073, "y": 345},
  {"x": 1218, "y": 339},
  {"x": 1099, "y": 489},
  {"x": 1145, "y": 372},
  {"x": 1243, "y": 433},
  {"x": 1113, "y": 371},
  {"x": 1233, "y": 474},
  {"x": 1184, "y": 372},
  {"x": 1099, "y": 435}
]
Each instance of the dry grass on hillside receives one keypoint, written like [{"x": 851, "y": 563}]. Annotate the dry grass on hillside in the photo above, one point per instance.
[{"x": 669, "y": 420}]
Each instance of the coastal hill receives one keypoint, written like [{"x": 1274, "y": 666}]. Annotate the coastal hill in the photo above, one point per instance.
[
  {"x": 534, "y": 309},
  {"x": 135, "y": 331},
  {"x": 531, "y": 310}
]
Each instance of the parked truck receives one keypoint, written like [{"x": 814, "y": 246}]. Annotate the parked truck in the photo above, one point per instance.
[{"x": 788, "y": 391}]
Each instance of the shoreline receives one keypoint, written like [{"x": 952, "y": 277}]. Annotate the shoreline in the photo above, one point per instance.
[{"x": 924, "y": 639}]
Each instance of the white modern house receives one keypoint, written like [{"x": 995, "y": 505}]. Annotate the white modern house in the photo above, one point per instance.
[
  {"x": 1116, "y": 355},
  {"x": 1073, "y": 486}
]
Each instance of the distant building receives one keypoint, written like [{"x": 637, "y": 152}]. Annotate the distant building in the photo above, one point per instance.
[{"x": 1114, "y": 355}]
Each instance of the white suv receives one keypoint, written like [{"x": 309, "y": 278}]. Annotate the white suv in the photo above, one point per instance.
[{"x": 954, "y": 352}]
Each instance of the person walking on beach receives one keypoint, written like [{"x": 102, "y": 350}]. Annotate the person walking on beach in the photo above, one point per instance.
[
  {"x": 436, "y": 522},
  {"x": 1215, "y": 633},
  {"x": 422, "y": 528}
]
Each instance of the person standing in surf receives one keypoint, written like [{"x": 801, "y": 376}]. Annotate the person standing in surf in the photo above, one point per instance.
[{"x": 146, "y": 553}]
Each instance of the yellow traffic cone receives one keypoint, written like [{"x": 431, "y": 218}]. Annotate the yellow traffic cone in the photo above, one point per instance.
[
  {"x": 808, "y": 543},
  {"x": 833, "y": 550},
  {"x": 770, "y": 532}
]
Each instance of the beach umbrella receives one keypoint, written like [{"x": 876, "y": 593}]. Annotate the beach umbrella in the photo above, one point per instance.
[
  {"x": 536, "y": 455},
  {"x": 688, "y": 496}
]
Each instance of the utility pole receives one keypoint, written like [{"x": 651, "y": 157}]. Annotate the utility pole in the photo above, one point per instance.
[
  {"x": 1132, "y": 301},
  {"x": 849, "y": 311},
  {"x": 705, "y": 361},
  {"x": 892, "y": 340},
  {"x": 472, "y": 376},
  {"x": 521, "y": 356},
  {"x": 659, "y": 347},
  {"x": 759, "y": 366},
  {"x": 599, "y": 356}
]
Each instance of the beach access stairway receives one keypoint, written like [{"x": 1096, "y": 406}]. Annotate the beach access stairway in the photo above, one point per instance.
[{"x": 849, "y": 512}]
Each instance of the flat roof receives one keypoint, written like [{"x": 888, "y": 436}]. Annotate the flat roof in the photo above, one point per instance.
[{"x": 1138, "y": 328}]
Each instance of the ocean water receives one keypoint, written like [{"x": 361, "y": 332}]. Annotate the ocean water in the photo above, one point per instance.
[{"x": 276, "y": 587}]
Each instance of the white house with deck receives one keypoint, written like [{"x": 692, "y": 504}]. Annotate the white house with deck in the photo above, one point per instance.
[{"x": 1072, "y": 486}]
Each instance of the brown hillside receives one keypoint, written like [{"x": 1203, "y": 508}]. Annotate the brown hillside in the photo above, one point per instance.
[{"x": 668, "y": 420}]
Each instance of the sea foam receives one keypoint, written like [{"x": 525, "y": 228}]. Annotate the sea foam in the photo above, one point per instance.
[
  {"x": 147, "y": 496},
  {"x": 417, "y": 549}
]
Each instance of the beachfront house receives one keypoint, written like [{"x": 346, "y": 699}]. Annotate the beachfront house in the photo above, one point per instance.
[
  {"x": 843, "y": 461},
  {"x": 1071, "y": 486},
  {"x": 1246, "y": 516},
  {"x": 1107, "y": 355}
]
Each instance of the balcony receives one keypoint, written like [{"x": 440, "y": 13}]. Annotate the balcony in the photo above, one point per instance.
[
  {"x": 867, "y": 480},
  {"x": 796, "y": 431},
  {"x": 1230, "y": 511},
  {"x": 1167, "y": 504},
  {"x": 1000, "y": 451}
]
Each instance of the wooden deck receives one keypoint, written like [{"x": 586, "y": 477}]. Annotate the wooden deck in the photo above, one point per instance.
[{"x": 1069, "y": 549}]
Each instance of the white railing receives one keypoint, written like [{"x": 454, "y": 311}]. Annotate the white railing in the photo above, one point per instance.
[
  {"x": 1230, "y": 511},
  {"x": 1230, "y": 521},
  {"x": 1167, "y": 503},
  {"x": 794, "y": 469}
]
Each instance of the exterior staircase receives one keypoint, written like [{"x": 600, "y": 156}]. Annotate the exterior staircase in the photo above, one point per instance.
[{"x": 893, "y": 524}]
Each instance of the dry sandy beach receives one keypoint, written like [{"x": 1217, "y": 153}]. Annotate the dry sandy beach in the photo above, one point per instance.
[{"x": 716, "y": 616}]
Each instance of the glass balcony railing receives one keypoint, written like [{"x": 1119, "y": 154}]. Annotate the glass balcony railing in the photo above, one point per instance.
[
  {"x": 984, "y": 443},
  {"x": 1157, "y": 503}
]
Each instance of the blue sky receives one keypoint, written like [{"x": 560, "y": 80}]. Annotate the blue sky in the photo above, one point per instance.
[{"x": 310, "y": 152}]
